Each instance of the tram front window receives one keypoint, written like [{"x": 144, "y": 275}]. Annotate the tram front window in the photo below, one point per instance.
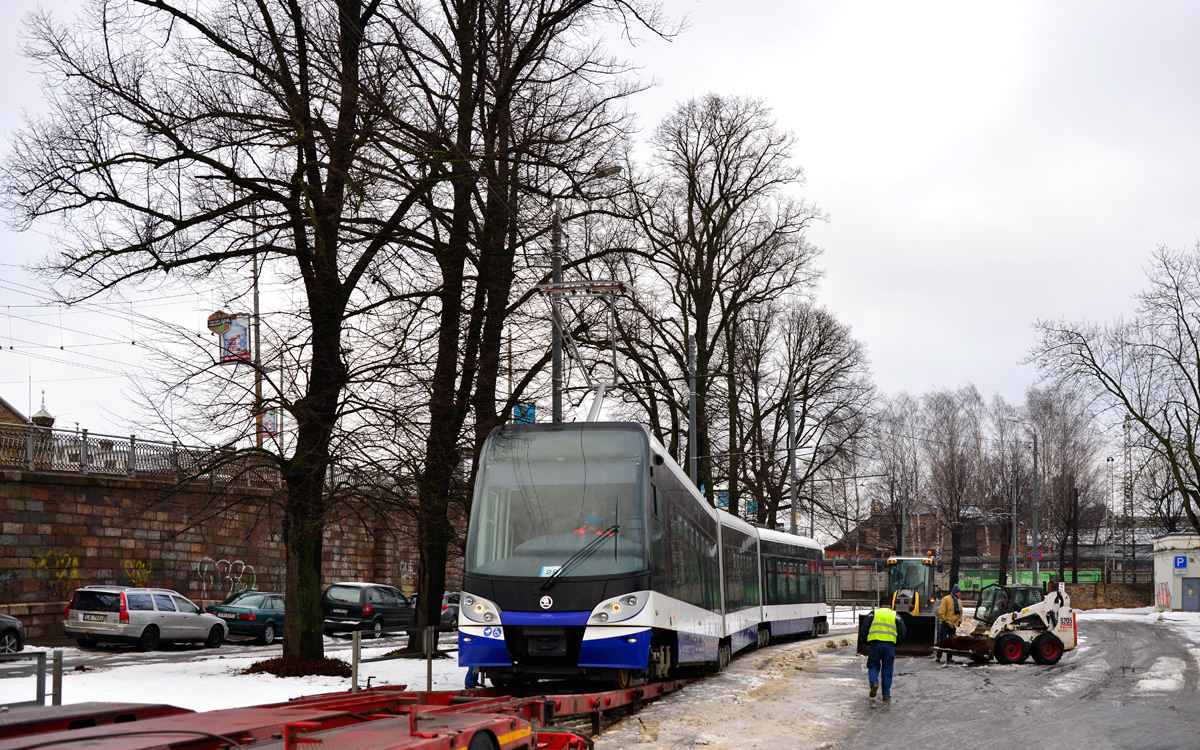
[{"x": 542, "y": 496}]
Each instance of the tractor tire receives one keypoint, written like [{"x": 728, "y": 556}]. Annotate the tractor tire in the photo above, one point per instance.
[
  {"x": 1010, "y": 649},
  {"x": 1047, "y": 649}
]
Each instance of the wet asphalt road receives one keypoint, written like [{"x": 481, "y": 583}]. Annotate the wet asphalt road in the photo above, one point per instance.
[{"x": 1128, "y": 685}]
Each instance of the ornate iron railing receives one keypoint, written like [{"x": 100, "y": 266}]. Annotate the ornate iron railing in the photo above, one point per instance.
[{"x": 46, "y": 449}]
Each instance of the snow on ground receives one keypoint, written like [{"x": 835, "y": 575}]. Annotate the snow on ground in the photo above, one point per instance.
[
  {"x": 1165, "y": 676},
  {"x": 1188, "y": 623},
  {"x": 211, "y": 681}
]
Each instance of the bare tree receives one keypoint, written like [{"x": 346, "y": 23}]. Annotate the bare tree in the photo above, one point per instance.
[
  {"x": 725, "y": 235},
  {"x": 954, "y": 423},
  {"x": 894, "y": 444},
  {"x": 1068, "y": 467},
  {"x": 1144, "y": 369}
]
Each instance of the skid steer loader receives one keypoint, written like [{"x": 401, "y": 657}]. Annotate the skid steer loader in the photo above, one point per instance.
[
  {"x": 910, "y": 593},
  {"x": 1013, "y": 623}
]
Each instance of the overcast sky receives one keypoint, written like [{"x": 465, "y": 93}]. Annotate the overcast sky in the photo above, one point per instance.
[{"x": 983, "y": 165}]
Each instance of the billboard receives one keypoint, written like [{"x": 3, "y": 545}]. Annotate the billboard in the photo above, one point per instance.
[{"x": 233, "y": 336}]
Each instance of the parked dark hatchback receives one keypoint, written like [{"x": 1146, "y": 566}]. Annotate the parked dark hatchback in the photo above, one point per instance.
[
  {"x": 449, "y": 608},
  {"x": 253, "y": 613},
  {"x": 372, "y": 607}
]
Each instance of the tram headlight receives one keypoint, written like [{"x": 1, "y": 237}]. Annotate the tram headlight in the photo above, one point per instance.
[
  {"x": 477, "y": 609},
  {"x": 619, "y": 609}
]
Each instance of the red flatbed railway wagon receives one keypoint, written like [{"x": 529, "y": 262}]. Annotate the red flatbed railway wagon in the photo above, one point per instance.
[{"x": 385, "y": 718}]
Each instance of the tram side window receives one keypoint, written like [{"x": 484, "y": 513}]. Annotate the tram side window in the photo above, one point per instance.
[{"x": 658, "y": 555}]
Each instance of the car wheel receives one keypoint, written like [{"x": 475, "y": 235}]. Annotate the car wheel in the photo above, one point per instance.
[
  {"x": 268, "y": 634},
  {"x": 149, "y": 639},
  {"x": 377, "y": 629},
  {"x": 10, "y": 642},
  {"x": 86, "y": 641},
  {"x": 215, "y": 637}
]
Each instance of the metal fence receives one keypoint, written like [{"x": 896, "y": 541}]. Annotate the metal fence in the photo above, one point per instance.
[{"x": 46, "y": 449}]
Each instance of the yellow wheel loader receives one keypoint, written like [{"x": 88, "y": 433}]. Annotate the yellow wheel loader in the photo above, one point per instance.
[{"x": 910, "y": 593}]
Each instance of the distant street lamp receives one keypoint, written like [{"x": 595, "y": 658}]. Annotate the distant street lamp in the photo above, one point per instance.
[{"x": 1034, "y": 552}]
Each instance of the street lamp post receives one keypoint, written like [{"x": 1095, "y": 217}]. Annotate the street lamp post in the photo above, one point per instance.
[
  {"x": 1014, "y": 521},
  {"x": 1033, "y": 552},
  {"x": 1036, "y": 550}
]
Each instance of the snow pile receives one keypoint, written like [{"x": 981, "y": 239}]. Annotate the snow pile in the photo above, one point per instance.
[{"x": 1165, "y": 676}]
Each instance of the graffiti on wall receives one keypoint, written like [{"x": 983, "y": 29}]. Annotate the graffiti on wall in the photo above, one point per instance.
[
  {"x": 7, "y": 579},
  {"x": 59, "y": 571},
  {"x": 223, "y": 576},
  {"x": 138, "y": 572},
  {"x": 1164, "y": 595}
]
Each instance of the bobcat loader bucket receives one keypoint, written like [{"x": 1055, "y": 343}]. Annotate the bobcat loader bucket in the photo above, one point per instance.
[
  {"x": 920, "y": 630},
  {"x": 977, "y": 647}
]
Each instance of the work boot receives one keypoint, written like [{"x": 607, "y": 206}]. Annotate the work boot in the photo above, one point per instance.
[
  {"x": 887, "y": 698},
  {"x": 874, "y": 689}
]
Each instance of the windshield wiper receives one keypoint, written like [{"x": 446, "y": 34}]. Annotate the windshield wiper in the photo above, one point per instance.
[{"x": 588, "y": 550}]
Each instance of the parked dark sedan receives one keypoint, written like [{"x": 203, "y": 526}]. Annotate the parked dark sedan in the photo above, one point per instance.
[
  {"x": 373, "y": 607},
  {"x": 258, "y": 614},
  {"x": 12, "y": 635},
  {"x": 449, "y": 608}
]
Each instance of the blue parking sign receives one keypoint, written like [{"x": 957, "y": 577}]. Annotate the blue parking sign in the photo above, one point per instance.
[{"x": 1180, "y": 561}]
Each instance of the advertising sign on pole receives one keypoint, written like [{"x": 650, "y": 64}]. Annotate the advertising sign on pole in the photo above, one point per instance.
[
  {"x": 235, "y": 341},
  {"x": 270, "y": 422}
]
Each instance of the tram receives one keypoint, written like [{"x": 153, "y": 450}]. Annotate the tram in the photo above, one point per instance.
[{"x": 591, "y": 555}]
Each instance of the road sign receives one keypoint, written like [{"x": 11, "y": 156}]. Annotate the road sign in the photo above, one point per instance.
[
  {"x": 1181, "y": 564},
  {"x": 1035, "y": 555},
  {"x": 523, "y": 413}
]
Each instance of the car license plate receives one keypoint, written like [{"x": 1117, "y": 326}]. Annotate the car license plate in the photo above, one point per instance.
[
  {"x": 341, "y": 611},
  {"x": 94, "y": 618},
  {"x": 227, "y": 615}
]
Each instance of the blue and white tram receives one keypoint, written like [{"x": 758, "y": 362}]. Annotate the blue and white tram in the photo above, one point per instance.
[{"x": 590, "y": 553}]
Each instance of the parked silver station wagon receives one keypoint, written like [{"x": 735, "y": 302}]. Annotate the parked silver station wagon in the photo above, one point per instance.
[{"x": 143, "y": 617}]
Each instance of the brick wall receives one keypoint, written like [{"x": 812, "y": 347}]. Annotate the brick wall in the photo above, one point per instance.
[
  {"x": 62, "y": 531},
  {"x": 1110, "y": 595}
]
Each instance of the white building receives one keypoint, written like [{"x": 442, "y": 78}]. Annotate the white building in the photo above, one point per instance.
[{"x": 1177, "y": 572}]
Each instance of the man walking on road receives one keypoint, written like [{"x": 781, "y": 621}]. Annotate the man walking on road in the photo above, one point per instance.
[
  {"x": 950, "y": 615},
  {"x": 885, "y": 630}
]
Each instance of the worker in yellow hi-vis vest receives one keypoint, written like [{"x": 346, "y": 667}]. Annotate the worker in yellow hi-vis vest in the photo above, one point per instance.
[{"x": 885, "y": 630}]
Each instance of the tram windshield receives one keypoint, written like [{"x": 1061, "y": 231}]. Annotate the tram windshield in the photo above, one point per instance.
[{"x": 542, "y": 496}]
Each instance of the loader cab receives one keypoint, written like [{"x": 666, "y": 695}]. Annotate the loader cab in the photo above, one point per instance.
[
  {"x": 910, "y": 583},
  {"x": 996, "y": 600}
]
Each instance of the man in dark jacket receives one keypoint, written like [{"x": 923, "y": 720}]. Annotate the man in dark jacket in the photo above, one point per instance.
[{"x": 885, "y": 630}]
